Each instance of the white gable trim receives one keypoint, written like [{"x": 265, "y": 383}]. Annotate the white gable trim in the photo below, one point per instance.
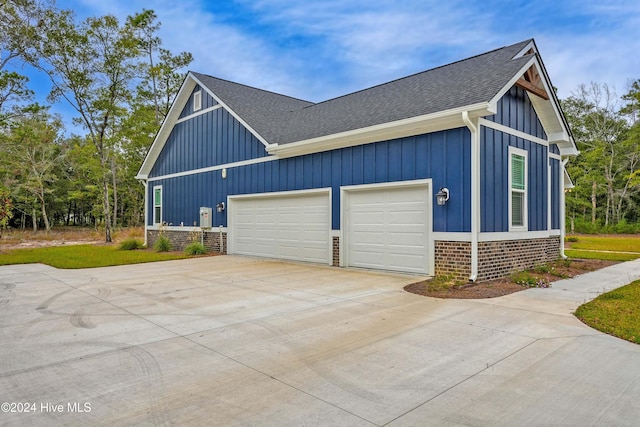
[
  {"x": 199, "y": 113},
  {"x": 214, "y": 168},
  {"x": 233, "y": 113},
  {"x": 173, "y": 117},
  {"x": 548, "y": 111},
  {"x": 505, "y": 129},
  {"x": 523, "y": 52},
  {"x": 167, "y": 125}
]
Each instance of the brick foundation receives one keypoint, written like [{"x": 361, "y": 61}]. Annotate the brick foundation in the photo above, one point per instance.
[
  {"x": 501, "y": 258},
  {"x": 495, "y": 259},
  {"x": 180, "y": 239},
  {"x": 336, "y": 251},
  {"x": 453, "y": 259}
]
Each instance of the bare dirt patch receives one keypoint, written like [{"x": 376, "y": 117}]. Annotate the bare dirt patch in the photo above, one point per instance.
[{"x": 441, "y": 288}]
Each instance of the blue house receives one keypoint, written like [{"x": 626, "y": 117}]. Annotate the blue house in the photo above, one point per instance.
[{"x": 458, "y": 170}]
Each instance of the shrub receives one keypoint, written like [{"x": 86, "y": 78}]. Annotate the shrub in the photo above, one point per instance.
[
  {"x": 163, "y": 244},
  {"x": 526, "y": 279},
  {"x": 195, "y": 248},
  {"x": 571, "y": 239},
  {"x": 130, "y": 244}
]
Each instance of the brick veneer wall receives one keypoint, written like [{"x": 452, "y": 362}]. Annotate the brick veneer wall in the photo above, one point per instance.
[
  {"x": 336, "y": 251},
  {"x": 453, "y": 259},
  {"x": 495, "y": 259},
  {"x": 180, "y": 239},
  {"x": 501, "y": 258}
]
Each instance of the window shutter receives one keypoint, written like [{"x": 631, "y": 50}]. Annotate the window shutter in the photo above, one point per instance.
[
  {"x": 517, "y": 211},
  {"x": 517, "y": 172}
]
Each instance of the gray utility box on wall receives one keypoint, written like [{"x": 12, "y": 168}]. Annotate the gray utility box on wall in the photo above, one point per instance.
[{"x": 205, "y": 217}]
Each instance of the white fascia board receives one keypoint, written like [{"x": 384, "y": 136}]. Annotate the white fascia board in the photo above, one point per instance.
[
  {"x": 523, "y": 52},
  {"x": 558, "y": 123},
  {"x": 442, "y": 120},
  {"x": 233, "y": 113},
  {"x": 167, "y": 125},
  {"x": 514, "y": 79},
  {"x": 568, "y": 184}
]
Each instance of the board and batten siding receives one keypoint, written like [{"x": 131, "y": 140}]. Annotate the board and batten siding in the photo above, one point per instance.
[
  {"x": 209, "y": 139},
  {"x": 494, "y": 181},
  {"x": 207, "y": 101},
  {"x": 443, "y": 156},
  {"x": 516, "y": 111}
]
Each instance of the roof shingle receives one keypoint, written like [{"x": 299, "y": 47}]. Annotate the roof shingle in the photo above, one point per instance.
[{"x": 280, "y": 119}]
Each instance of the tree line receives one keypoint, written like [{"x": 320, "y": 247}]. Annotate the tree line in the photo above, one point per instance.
[
  {"x": 120, "y": 82},
  {"x": 606, "y": 174}
]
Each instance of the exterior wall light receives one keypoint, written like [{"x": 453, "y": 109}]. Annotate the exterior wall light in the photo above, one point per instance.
[
  {"x": 220, "y": 207},
  {"x": 442, "y": 196}
]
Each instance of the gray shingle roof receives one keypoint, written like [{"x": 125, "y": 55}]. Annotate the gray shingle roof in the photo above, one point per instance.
[{"x": 281, "y": 119}]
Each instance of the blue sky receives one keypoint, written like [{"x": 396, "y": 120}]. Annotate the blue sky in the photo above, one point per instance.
[{"x": 316, "y": 50}]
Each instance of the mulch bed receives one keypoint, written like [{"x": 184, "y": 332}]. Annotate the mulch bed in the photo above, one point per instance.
[{"x": 504, "y": 286}]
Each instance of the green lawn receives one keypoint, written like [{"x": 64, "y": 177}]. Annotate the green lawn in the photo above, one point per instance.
[
  {"x": 83, "y": 256},
  {"x": 615, "y": 313},
  {"x": 612, "y": 248},
  {"x": 609, "y": 256},
  {"x": 607, "y": 243}
]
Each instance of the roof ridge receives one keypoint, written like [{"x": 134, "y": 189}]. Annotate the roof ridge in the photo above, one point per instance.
[
  {"x": 250, "y": 87},
  {"x": 418, "y": 73}
]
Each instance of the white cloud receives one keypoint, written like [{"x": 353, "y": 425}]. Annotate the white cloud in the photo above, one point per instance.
[{"x": 316, "y": 50}]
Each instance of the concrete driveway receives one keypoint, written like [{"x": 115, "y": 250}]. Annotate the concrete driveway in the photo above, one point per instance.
[{"x": 242, "y": 341}]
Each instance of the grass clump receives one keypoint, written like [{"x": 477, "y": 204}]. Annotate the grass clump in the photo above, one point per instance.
[
  {"x": 130, "y": 244},
  {"x": 162, "y": 244},
  {"x": 615, "y": 313},
  {"x": 195, "y": 248},
  {"x": 528, "y": 280}
]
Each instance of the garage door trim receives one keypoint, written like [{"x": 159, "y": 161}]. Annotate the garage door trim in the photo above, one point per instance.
[
  {"x": 345, "y": 191},
  {"x": 277, "y": 194}
]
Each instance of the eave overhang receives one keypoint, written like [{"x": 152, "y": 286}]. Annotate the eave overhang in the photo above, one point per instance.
[{"x": 442, "y": 120}]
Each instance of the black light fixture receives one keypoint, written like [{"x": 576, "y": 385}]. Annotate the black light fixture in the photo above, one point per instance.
[
  {"x": 442, "y": 196},
  {"x": 220, "y": 207}
]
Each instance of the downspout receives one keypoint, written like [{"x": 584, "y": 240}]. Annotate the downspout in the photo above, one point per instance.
[
  {"x": 563, "y": 220},
  {"x": 146, "y": 209},
  {"x": 475, "y": 193}
]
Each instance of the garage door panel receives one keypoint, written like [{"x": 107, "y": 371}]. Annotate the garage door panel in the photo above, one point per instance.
[
  {"x": 387, "y": 228},
  {"x": 292, "y": 227}
]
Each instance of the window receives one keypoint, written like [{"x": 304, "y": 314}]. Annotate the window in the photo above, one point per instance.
[
  {"x": 517, "y": 189},
  {"x": 197, "y": 100},
  {"x": 157, "y": 204}
]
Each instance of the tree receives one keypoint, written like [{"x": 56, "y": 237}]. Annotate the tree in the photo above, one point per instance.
[
  {"x": 91, "y": 66},
  {"x": 594, "y": 115},
  {"x": 6, "y": 209},
  {"x": 33, "y": 153},
  {"x": 20, "y": 21}
]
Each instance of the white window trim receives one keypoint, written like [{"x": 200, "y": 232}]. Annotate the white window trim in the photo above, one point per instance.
[
  {"x": 524, "y": 226},
  {"x": 153, "y": 198},
  {"x": 197, "y": 101}
]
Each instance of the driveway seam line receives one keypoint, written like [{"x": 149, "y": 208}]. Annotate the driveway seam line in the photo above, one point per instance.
[{"x": 461, "y": 382}]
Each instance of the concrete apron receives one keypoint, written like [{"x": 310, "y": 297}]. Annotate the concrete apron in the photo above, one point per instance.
[{"x": 241, "y": 341}]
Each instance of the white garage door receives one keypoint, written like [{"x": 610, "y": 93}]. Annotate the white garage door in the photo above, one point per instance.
[
  {"x": 292, "y": 226},
  {"x": 388, "y": 228}
]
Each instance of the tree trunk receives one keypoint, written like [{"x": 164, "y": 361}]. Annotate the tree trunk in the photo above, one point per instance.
[
  {"x": 106, "y": 209},
  {"x": 34, "y": 219},
  {"x": 594, "y": 187},
  {"x": 115, "y": 192},
  {"x": 44, "y": 216}
]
